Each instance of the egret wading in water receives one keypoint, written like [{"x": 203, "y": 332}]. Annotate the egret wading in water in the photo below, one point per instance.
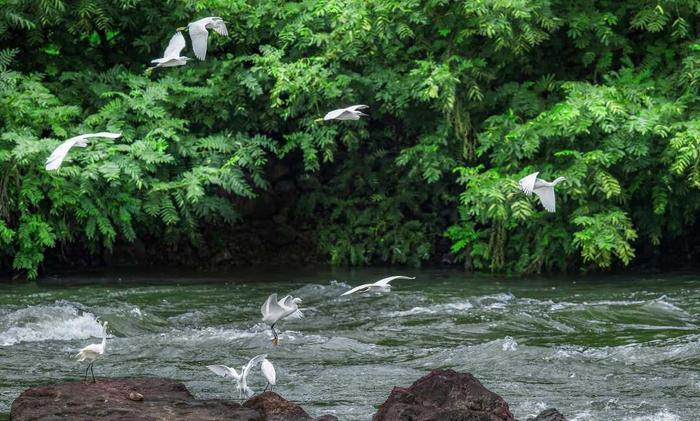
[
  {"x": 199, "y": 33},
  {"x": 382, "y": 285},
  {"x": 242, "y": 378},
  {"x": 542, "y": 188},
  {"x": 349, "y": 113},
  {"x": 273, "y": 311},
  {"x": 92, "y": 352},
  {"x": 171, "y": 56},
  {"x": 54, "y": 161}
]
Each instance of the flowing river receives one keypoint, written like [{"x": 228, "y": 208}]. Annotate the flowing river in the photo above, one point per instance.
[{"x": 596, "y": 348}]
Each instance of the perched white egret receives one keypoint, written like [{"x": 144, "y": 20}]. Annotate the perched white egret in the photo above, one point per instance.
[
  {"x": 349, "y": 113},
  {"x": 56, "y": 158},
  {"x": 542, "y": 188},
  {"x": 273, "y": 311},
  {"x": 199, "y": 33},
  {"x": 171, "y": 56},
  {"x": 382, "y": 285},
  {"x": 268, "y": 371},
  {"x": 92, "y": 352},
  {"x": 241, "y": 379}
]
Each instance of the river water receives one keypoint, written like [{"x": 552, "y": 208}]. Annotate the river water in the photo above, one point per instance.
[{"x": 596, "y": 348}]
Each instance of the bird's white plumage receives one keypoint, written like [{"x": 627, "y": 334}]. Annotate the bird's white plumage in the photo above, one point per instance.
[
  {"x": 242, "y": 378},
  {"x": 92, "y": 351},
  {"x": 268, "y": 371},
  {"x": 274, "y": 310},
  {"x": 54, "y": 161},
  {"x": 175, "y": 46},
  {"x": 542, "y": 188},
  {"x": 527, "y": 183},
  {"x": 381, "y": 285},
  {"x": 199, "y": 33},
  {"x": 348, "y": 113}
]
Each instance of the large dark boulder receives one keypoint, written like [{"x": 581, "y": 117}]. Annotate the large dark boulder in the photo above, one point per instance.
[
  {"x": 444, "y": 395},
  {"x": 143, "y": 399},
  {"x": 550, "y": 414}
]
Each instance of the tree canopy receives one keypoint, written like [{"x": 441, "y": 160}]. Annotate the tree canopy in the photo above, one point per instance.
[{"x": 466, "y": 97}]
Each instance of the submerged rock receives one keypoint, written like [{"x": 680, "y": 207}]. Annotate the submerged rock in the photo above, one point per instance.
[
  {"x": 144, "y": 399},
  {"x": 550, "y": 414},
  {"x": 447, "y": 396}
]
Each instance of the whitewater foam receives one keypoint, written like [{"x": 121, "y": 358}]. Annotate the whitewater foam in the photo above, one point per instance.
[{"x": 45, "y": 322}]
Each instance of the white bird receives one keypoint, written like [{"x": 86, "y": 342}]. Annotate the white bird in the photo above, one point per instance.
[
  {"x": 381, "y": 285},
  {"x": 199, "y": 33},
  {"x": 273, "y": 311},
  {"x": 92, "y": 352},
  {"x": 242, "y": 379},
  {"x": 56, "y": 158},
  {"x": 349, "y": 113},
  {"x": 542, "y": 188},
  {"x": 268, "y": 371},
  {"x": 171, "y": 56}
]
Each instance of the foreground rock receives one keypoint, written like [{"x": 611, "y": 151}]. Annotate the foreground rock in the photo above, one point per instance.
[
  {"x": 144, "y": 399},
  {"x": 447, "y": 396}
]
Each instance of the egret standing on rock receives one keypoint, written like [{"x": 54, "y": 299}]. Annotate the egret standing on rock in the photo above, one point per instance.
[
  {"x": 381, "y": 285},
  {"x": 199, "y": 33},
  {"x": 348, "y": 113},
  {"x": 92, "y": 352},
  {"x": 268, "y": 371},
  {"x": 542, "y": 188},
  {"x": 273, "y": 311},
  {"x": 54, "y": 161},
  {"x": 241, "y": 379},
  {"x": 171, "y": 56}
]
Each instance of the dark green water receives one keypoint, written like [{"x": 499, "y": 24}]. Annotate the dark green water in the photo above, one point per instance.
[{"x": 597, "y": 348}]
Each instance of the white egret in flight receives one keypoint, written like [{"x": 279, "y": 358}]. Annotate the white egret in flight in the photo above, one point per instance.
[
  {"x": 382, "y": 285},
  {"x": 273, "y": 311},
  {"x": 542, "y": 188},
  {"x": 349, "y": 113},
  {"x": 171, "y": 56},
  {"x": 199, "y": 33},
  {"x": 54, "y": 161},
  {"x": 92, "y": 352},
  {"x": 242, "y": 378}
]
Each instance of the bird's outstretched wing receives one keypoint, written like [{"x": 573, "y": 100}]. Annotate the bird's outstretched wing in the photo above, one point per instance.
[
  {"x": 356, "y": 289},
  {"x": 200, "y": 37},
  {"x": 357, "y": 107},
  {"x": 109, "y": 135},
  {"x": 385, "y": 281},
  {"x": 332, "y": 115},
  {"x": 546, "y": 195},
  {"x": 252, "y": 363},
  {"x": 268, "y": 371},
  {"x": 175, "y": 46},
  {"x": 224, "y": 371},
  {"x": 220, "y": 27},
  {"x": 272, "y": 310},
  {"x": 54, "y": 161},
  {"x": 527, "y": 183}
]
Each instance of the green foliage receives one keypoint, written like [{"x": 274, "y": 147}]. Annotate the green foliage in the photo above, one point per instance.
[{"x": 465, "y": 98}]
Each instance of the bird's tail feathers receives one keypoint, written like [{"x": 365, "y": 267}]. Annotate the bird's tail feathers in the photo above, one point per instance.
[{"x": 558, "y": 180}]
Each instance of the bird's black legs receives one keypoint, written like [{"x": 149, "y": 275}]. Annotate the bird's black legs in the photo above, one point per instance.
[
  {"x": 93, "y": 373},
  {"x": 86, "y": 371},
  {"x": 268, "y": 385},
  {"x": 274, "y": 333}
]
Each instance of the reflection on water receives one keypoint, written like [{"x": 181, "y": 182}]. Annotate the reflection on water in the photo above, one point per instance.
[{"x": 624, "y": 348}]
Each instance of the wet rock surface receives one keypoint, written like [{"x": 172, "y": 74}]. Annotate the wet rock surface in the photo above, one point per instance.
[
  {"x": 156, "y": 399},
  {"x": 444, "y": 395}
]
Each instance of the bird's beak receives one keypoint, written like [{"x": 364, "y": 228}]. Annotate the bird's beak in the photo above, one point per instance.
[
  {"x": 318, "y": 120},
  {"x": 182, "y": 28}
]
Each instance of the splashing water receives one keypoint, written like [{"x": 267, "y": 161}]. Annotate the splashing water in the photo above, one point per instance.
[{"x": 623, "y": 348}]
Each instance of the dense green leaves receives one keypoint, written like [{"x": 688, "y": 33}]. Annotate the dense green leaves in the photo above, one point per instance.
[{"x": 465, "y": 98}]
